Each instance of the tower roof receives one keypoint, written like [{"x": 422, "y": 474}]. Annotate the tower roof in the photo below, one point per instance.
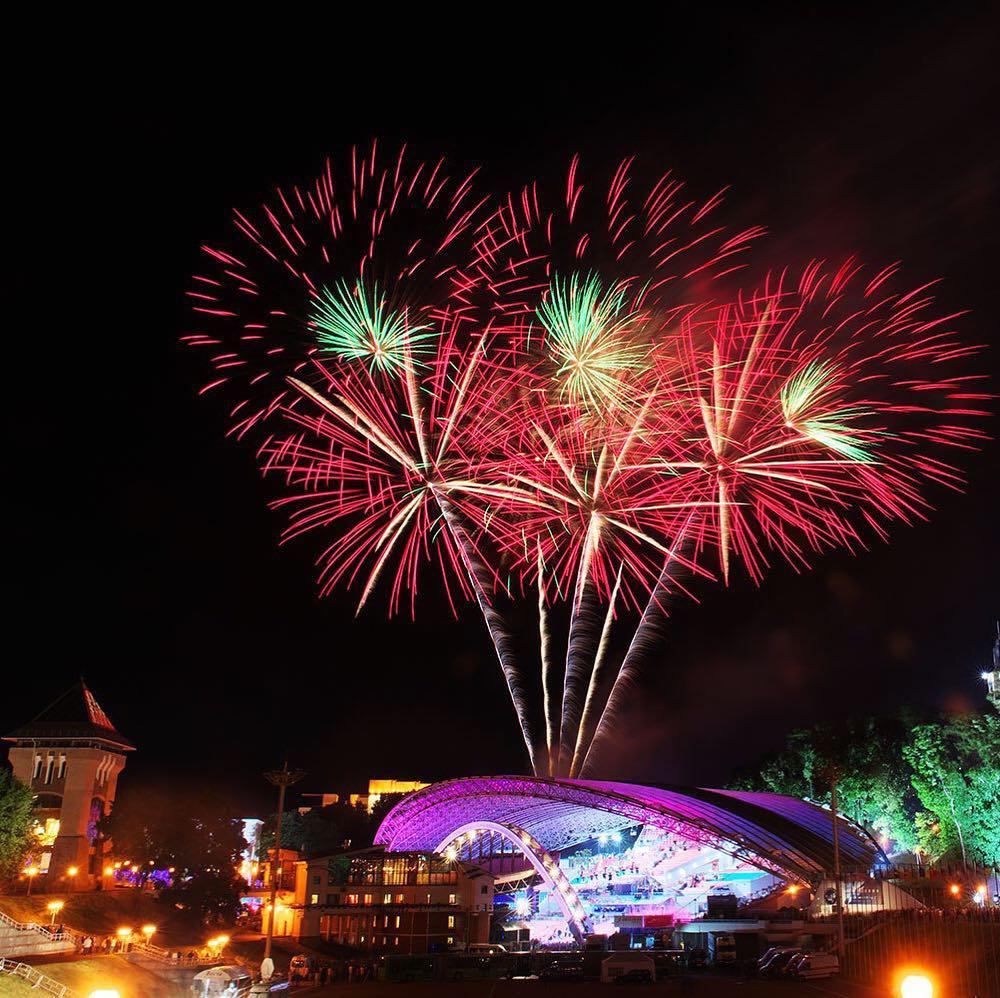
[{"x": 75, "y": 715}]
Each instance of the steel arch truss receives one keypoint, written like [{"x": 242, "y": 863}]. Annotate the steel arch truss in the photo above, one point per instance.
[{"x": 544, "y": 864}]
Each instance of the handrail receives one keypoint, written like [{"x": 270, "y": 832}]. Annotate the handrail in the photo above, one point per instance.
[
  {"x": 42, "y": 930},
  {"x": 36, "y": 979}
]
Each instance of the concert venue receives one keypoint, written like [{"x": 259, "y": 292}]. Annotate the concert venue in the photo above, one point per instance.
[{"x": 574, "y": 858}]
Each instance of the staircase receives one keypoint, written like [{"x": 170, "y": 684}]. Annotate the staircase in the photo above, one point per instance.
[{"x": 30, "y": 939}]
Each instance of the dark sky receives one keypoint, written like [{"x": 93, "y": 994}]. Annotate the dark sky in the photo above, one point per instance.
[{"x": 140, "y": 550}]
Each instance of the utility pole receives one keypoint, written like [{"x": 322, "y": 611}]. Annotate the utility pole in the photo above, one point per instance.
[
  {"x": 838, "y": 883},
  {"x": 281, "y": 778}
]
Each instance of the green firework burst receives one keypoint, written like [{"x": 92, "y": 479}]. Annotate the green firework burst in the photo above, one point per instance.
[
  {"x": 804, "y": 397},
  {"x": 591, "y": 337},
  {"x": 355, "y": 323}
]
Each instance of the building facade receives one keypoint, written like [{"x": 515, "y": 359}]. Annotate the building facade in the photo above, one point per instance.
[
  {"x": 384, "y": 902},
  {"x": 71, "y": 756}
]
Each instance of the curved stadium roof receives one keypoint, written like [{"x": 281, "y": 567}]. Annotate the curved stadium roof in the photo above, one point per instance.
[{"x": 787, "y": 836}]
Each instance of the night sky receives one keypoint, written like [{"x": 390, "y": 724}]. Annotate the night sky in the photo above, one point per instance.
[{"x": 140, "y": 549}]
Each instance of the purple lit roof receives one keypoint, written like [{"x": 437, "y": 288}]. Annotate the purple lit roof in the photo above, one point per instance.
[{"x": 787, "y": 836}]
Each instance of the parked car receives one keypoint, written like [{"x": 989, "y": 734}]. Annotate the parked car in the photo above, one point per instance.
[
  {"x": 767, "y": 954},
  {"x": 775, "y": 966},
  {"x": 638, "y": 975},
  {"x": 562, "y": 970},
  {"x": 697, "y": 958},
  {"x": 814, "y": 965},
  {"x": 298, "y": 968}
]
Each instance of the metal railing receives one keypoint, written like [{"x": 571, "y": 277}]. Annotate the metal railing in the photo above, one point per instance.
[
  {"x": 44, "y": 931},
  {"x": 37, "y": 980}
]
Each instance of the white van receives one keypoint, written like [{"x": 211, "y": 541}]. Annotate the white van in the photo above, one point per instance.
[
  {"x": 815, "y": 965},
  {"x": 223, "y": 982}
]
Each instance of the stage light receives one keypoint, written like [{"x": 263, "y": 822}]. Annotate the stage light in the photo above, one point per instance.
[{"x": 916, "y": 986}]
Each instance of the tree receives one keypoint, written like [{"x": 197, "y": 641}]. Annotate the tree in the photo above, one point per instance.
[
  {"x": 873, "y": 779},
  {"x": 16, "y": 824},
  {"x": 166, "y": 828},
  {"x": 327, "y": 829},
  {"x": 214, "y": 895},
  {"x": 956, "y": 772}
]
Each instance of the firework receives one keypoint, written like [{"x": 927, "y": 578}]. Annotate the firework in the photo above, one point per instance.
[
  {"x": 359, "y": 265},
  {"x": 558, "y": 395}
]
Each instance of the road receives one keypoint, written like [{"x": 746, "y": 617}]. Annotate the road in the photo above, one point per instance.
[{"x": 696, "y": 987}]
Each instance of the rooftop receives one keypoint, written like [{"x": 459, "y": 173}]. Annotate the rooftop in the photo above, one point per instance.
[{"x": 73, "y": 716}]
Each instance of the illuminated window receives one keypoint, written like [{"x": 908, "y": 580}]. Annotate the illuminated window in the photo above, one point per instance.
[
  {"x": 385, "y": 921},
  {"x": 397, "y": 922},
  {"x": 400, "y": 898},
  {"x": 315, "y": 899},
  {"x": 352, "y": 899},
  {"x": 50, "y": 762},
  {"x": 38, "y": 767},
  {"x": 451, "y": 921},
  {"x": 451, "y": 940},
  {"x": 61, "y": 775},
  {"x": 368, "y": 899},
  {"x": 452, "y": 899},
  {"x": 386, "y": 899},
  {"x": 395, "y": 941}
]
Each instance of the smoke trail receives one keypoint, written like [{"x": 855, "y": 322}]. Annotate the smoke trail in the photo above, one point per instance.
[
  {"x": 502, "y": 642},
  {"x": 595, "y": 676},
  {"x": 543, "y": 644},
  {"x": 648, "y": 632},
  {"x": 582, "y": 638}
]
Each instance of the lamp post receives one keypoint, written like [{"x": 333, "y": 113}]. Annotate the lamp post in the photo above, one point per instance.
[
  {"x": 55, "y": 907},
  {"x": 838, "y": 883},
  {"x": 30, "y": 873},
  {"x": 281, "y": 778}
]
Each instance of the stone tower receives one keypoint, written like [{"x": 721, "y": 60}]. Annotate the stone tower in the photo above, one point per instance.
[{"x": 70, "y": 755}]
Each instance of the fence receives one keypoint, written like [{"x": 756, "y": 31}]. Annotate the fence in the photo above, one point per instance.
[
  {"x": 37, "y": 980},
  {"x": 942, "y": 922}
]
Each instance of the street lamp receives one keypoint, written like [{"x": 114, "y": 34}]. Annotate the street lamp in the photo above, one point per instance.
[
  {"x": 31, "y": 873},
  {"x": 104, "y": 993},
  {"x": 282, "y": 779},
  {"x": 55, "y": 907},
  {"x": 916, "y": 986},
  {"x": 147, "y": 931},
  {"x": 72, "y": 871}
]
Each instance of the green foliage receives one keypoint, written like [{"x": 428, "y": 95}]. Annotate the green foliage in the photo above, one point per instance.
[
  {"x": 956, "y": 772},
  {"x": 192, "y": 833},
  {"x": 16, "y": 824},
  {"x": 214, "y": 895},
  {"x": 327, "y": 829},
  {"x": 935, "y": 785}
]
